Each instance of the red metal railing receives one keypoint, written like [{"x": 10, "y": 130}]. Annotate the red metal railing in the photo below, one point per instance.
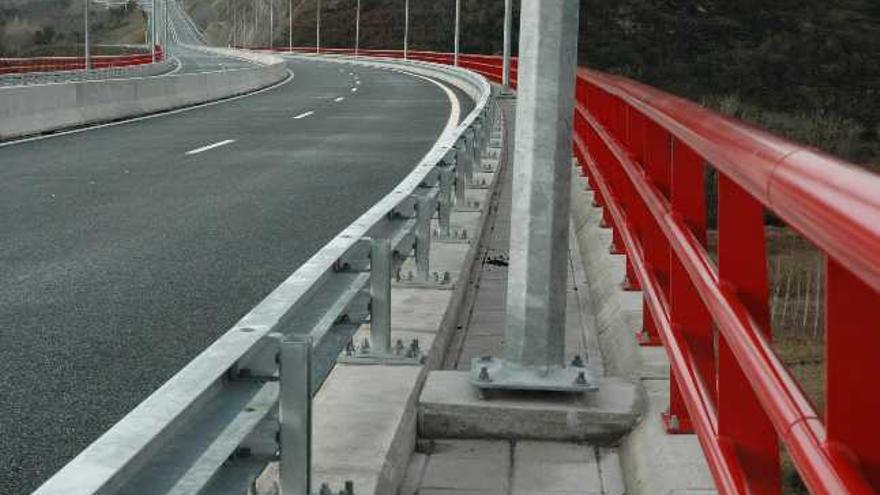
[
  {"x": 59, "y": 64},
  {"x": 645, "y": 154}
]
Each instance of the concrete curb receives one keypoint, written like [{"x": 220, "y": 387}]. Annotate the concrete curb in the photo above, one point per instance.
[
  {"x": 653, "y": 461},
  {"x": 38, "y": 109}
]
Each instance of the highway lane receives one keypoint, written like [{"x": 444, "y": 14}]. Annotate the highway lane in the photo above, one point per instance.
[{"x": 127, "y": 249}]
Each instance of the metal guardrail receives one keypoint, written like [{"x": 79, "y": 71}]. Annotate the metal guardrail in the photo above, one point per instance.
[
  {"x": 32, "y": 78},
  {"x": 246, "y": 400},
  {"x": 47, "y": 70}
]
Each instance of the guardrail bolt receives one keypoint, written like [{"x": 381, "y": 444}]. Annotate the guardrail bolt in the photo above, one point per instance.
[
  {"x": 413, "y": 350},
  {"x": 484, "y": 374},
  {"x": 577, "y": 362},
  {"x": 398, "y": 347},
  {"x": 581, "y": 378}
]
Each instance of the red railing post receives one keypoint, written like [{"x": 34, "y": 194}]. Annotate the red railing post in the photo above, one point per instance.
[
  {"x": 852, "y": 369},
  {"x": 656, "y": 165},
  {"x": 742, "y": 269},
  {"x": 687, "y": 313}
]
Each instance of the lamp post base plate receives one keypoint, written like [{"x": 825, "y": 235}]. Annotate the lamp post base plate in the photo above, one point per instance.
[{"x": 495, "y": 374}]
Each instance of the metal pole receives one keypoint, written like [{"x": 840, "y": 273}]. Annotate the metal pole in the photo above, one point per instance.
[
  {"x": 87, "y": 60},
  {"x": 406, "y": 30},
  {"x": 165, "y": 27},
  {"x": 457, "y": 28},
  {"x": 318, "y": 29},
  {"x": 536, "y": 294},
  {"x": 235, "y": 25},
  {"x": 295, "y": 410},
  {"x": 508, "y": 25},
  {"x": 256, "y": 24},
  {"x": 357, "y": 29},
  {"x": 290, "y": 26},
  {"x": 271, "y": 24},
  {"x": 154, "y": 30}
]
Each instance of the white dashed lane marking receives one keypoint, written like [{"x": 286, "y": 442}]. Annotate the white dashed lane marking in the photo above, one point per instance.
[
  {"x": 337, "y": 100},
  {"x": 210, "y": 147},
  {"x": 303, "y": 115}
]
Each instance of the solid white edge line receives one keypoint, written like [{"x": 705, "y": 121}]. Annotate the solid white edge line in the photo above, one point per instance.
[
  {"x": 210, "y": 147},
  {"x": 290, "y": 76},
  {"x": 454, "y": 102},
  {"x": 304, "y": 115}
]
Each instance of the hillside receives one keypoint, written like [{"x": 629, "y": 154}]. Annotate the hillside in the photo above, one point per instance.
[{"x": 55, "y": 27}]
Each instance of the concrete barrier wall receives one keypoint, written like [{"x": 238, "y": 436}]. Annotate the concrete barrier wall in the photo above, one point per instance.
[{"x": 29, "y": 110}]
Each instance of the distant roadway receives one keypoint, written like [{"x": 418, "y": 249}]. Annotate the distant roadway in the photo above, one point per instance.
[{"x": 126, "y": 250}]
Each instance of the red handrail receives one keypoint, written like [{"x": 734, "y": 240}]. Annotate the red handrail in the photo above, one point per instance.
[
  {"x": 58, "y": 64},
  {"x": 644, "y": 153}
]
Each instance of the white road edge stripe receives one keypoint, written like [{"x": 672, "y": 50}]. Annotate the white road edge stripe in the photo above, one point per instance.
[
  {"x": 455, "y": 103},
  {"x": 304, "y": 115},
  {"x": 210, "y": 147}
]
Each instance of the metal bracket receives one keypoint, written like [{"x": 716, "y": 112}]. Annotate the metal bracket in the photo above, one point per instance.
[
  {"x": 441, "y": 281},
  {"x": 455, "y": 236},
  {"x": 400, "y": 355},
  {"x": 489, "y": 373},
  {"x": 325, "y": 489}
]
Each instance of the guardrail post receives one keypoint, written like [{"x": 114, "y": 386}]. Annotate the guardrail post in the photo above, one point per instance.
[
  {"x": 295, "y": 410},
  {"x": 534, "y": 344},
  {"x": 461, "y": 172},
  {"x": 469, "y": 146},
  {"x": 742, "y": 268},
  {"x": 423, "y": 236},
  {"x": 447, "y": 178},
  {"x": 478, "y": 145},
  {"x": 380, "y": 294}
]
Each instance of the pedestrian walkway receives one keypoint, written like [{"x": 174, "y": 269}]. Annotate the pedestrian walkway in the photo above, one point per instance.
[{"x": 512, "y": 466}]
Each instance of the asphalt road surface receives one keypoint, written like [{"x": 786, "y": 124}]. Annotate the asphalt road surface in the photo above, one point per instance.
[{"x": 126, "y": 250}]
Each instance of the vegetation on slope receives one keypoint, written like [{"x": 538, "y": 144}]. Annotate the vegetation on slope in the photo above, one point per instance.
[{"x": 55, "y": 27}]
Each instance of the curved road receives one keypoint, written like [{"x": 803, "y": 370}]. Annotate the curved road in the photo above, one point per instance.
[{"x": 128, "y": 249}]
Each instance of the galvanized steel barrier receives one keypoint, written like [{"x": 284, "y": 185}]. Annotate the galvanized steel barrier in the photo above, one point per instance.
[
  {"x": 57, "y": 64},
  {"x": 246, "y": 400},
  {"x": 645, "y": 154},
  {"x": 41, "y": 70}
]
